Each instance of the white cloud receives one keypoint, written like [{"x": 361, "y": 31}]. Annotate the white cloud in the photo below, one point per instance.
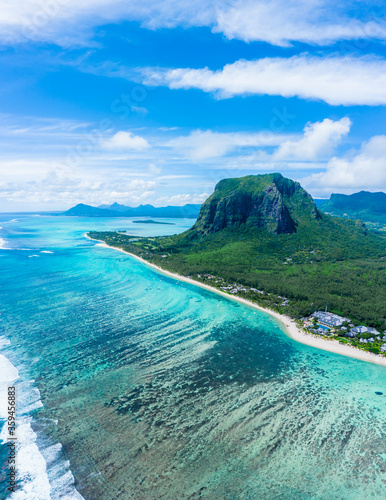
[
  {"x": 319, "y": 140},
  {"x": 154, "y": 168},
  {"x": 139, "y": 185},
  {"x": 24, "y": 168},
  {"x": 278, "y": 21},
  {"x": 335, "y": 80},
  {"x": 364, "y": 170},
  {"x": 70, "y": 22},
  {"x": 37, "y": 174},
  {"x": 256, "y": 162},
  {"x": 201, "y": 145},
  {"x": 125, "y": 141},
  {"x": 58, "y": 189},
  {"x": 310, "y": 21},
  {"x": 139, "y": 109},
  {"x": 182, "y": 199},
  {"x": 174, "y": 176}
]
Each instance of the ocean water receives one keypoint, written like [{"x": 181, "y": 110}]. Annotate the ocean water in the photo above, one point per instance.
[{"x": 132, "y": 385}]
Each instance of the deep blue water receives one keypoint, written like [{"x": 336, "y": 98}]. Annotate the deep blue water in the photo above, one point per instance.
[{"x": 135, "y": 385}]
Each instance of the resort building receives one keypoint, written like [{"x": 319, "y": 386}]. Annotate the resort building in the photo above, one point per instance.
[
  {"x": 358, "y": 330},
  {"x": 329, "y": 319}
]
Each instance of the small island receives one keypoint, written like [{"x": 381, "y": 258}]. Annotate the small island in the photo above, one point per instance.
[{"x": 149, "y": 221}]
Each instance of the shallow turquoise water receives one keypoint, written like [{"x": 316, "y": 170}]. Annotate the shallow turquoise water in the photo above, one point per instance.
[{"x": 153, "y": 388}]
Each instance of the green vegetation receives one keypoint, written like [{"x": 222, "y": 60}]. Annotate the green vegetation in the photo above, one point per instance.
[
  {"x": 266, "y": 233},
  {"x": 352, "y": 285},
  {"x": 368, "y": 207},
  {"x": 270, "y": 201},
  {"x": 374, "y": 347}
]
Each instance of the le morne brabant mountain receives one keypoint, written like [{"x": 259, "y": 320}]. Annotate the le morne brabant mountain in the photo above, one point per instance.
[
  {"x": 266, "y": 232},
  {"x": 269, "y": 202}
]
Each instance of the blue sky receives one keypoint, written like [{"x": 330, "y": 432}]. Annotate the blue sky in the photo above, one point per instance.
[{"x": 105, "y": 101}]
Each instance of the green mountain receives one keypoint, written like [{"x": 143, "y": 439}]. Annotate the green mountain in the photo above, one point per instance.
[
  {"x": 116, "y": 207},
  {"x": 189, "y": 211},
  {"x": 363, "y": 205},
  {"x": 82, "y": 210},
  {"x": 266, "y": 232},
  {"x": 257, "y": 201},
  {"x": 276, "y": 218}
]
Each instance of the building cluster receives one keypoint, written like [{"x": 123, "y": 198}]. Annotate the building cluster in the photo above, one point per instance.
[
  {"x": 234, "y": 288},
  {"x": 320, "y": 322},
  {"x": 327, "y": 321}
]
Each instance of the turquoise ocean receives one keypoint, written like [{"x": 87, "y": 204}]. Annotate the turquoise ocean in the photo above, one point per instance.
[{"x": 134, "y": 385}]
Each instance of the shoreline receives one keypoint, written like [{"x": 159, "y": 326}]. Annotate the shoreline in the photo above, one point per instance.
[{"x": 288, "y": 324}]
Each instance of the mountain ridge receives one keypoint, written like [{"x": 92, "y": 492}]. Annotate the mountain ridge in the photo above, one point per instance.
[
  {"x": 188, "y": 211},
  {"x": 363, "y": 205}
]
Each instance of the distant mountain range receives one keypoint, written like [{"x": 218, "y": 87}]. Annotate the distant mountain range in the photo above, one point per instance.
[
  {"x": 366, "y": 206},
  {"x": 189, "y": 211},
  {"x": 363, "y": 205}
]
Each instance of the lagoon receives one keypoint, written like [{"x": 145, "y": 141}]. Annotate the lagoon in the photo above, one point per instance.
[{"x": 135, "y": 385}]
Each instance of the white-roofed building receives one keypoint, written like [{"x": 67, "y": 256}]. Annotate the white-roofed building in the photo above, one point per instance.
[
  {"x": 358, "y": 330},
  {"x": 329, "y": 319}
]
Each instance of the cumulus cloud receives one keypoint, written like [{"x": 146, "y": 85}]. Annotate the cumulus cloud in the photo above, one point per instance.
[
  {"x": 278, "y": 22},
  {"x": 182, "y": 199},
  {"x": 125, "y": 141},
  {"x": 58, "y": 189},
  {"x": 335, "y": 80},
  {"x": 365, "y": 169},
  {"x": 201, "y": 145},
  {"x": 319, "y": 140}
]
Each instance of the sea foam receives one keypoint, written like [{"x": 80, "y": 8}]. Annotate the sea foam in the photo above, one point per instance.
[
  {"x": 4, "y": 243},
  {"x": 44, "y": 474},
  {"x": 8, "y": 374}
]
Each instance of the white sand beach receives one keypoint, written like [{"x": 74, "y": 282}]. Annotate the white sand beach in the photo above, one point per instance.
[{"x": 288, "y": 325}]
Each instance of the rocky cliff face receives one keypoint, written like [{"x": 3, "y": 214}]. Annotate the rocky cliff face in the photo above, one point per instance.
[{"x": 261, "y": 201}]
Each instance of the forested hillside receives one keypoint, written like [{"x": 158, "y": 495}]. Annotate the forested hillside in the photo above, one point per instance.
[{"x": 266, "y": 232}]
